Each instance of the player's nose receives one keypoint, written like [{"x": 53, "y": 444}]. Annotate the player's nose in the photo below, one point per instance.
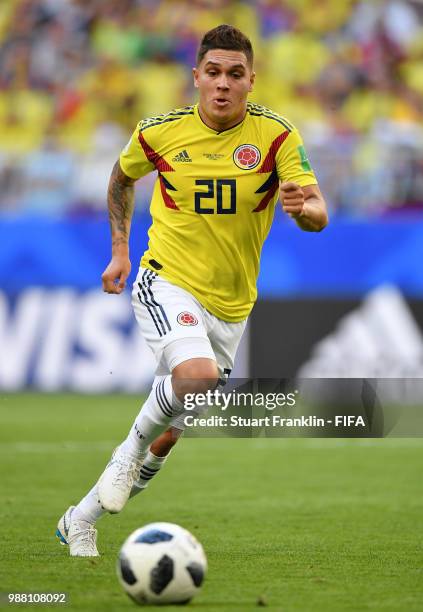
[{"x": 223, "y": 82}]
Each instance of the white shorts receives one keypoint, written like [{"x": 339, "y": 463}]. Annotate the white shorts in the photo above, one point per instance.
[{"x": 168, "y": 314}]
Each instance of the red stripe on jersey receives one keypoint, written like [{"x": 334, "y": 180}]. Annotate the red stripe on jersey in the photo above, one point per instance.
[
  {"x": 265, "y": 201},
  {"x": 169, "y": 202},
  {"x": 270, "y": 159},
  {"x": 159, "y": 162}
]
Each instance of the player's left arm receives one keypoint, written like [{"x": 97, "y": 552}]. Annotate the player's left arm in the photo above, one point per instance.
[{"x": 306, "y": 205}]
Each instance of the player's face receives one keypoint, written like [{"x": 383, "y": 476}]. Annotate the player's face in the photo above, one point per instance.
[{"x": 224, "y": 79}]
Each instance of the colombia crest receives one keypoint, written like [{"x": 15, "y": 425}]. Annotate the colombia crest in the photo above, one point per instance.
[
  {"x": 247, "y": 156},
  {"x": 187, "y": 318}
]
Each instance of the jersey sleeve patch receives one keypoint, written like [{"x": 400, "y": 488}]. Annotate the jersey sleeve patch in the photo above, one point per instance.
[{"x": 305, "y": 164}]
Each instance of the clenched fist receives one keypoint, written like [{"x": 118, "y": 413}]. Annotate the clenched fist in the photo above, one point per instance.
[
  {"x": 292, "y": 199},
  {"x": 115, "y": 275}
]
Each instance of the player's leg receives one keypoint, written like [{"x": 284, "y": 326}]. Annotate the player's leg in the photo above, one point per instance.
[
  {"x": 133, "y": 463},
  {"x": 155, "y": 459},
  {"x": 76, "y": 526},
  {"x": 162, "y": 445},
  {"x": 158, "y": 306},
  {"x": 183, "y": 379},
  {"x": 190, "y": 373},
  {"x": 172, "y": 323},
  {"x": 225, "y": 338},
  {"x": 125, "y": 473},
  {"x": 165, "y": 402}
]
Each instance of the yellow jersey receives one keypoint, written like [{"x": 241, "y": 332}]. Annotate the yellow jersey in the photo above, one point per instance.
[{"x": 214, "y": 199}]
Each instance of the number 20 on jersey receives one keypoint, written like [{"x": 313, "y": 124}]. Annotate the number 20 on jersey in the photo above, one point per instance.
[{"x": 223, "y": 194}]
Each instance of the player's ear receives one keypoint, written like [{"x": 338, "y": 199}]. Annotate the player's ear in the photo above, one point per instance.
[
  {"x": 195, "y": 75},
  {"x": 252, "y": 79}
]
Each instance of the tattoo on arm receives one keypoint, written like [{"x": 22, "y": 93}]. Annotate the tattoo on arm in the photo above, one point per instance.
[{"x": 120, "y": 201}]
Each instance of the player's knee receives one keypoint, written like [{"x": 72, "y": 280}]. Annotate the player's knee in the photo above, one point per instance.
[{"x": 195, "y": 376}]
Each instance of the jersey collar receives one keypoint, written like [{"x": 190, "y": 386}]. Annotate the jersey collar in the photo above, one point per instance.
[{"x": 209, "y": 130}]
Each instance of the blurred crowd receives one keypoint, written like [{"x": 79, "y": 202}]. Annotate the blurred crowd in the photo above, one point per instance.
[{"x": 77, "y": 75}]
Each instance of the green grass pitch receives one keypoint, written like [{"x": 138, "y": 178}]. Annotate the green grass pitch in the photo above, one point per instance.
[{"x": 292, "y": 525}]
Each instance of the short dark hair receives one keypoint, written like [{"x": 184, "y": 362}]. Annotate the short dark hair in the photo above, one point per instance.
[{"x": 225, "y": 37}]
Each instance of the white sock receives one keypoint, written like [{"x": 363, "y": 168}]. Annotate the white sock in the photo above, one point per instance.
[
  {"x": 89, "y": 508},
  {"x": 150, "y": 467},
  {"x": 159, "y": 409}
]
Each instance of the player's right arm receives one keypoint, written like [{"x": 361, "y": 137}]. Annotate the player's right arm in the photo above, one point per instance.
[
  {"x": 120, "y": 203},
  {"x": 132, "y": 165}
]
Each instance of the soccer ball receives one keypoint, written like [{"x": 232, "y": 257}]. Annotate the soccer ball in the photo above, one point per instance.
[{"x": 161, "y": 563}]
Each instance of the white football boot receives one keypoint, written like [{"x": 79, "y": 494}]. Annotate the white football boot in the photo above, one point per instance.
[
  {"x": 115, "y": 484},
  {"x": 79, "y": 535}
]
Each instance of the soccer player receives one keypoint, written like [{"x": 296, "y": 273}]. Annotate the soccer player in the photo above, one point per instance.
[{"x": 221, "y": 166}]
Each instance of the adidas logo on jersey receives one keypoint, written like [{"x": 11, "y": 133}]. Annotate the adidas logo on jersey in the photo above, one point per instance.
[{"x": 182, "y": 157}]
